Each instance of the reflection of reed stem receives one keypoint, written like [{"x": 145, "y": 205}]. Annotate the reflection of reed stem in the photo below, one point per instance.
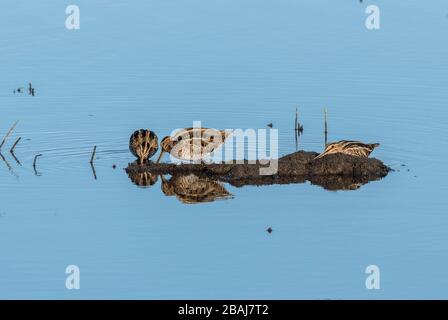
[
  {"x": 93, "y": 169},
  {"x": 34, "y": 164},
  {"x": 10, "y": 169},
  {"x": 8, "y": 134},
  {"x": 296, "y": 129},
  {"x": 15, "y": 158},
  {"x": 6, "y": 162}
]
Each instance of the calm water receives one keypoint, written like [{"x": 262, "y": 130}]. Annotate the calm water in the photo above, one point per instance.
[{"x": 240, "y": 64}]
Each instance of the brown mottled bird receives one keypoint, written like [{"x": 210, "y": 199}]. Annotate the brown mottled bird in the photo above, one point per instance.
[
  {"x": 143, "y": 144},
  {"x": 193, "y": 144},
  {"x": 354, "y": 148}
]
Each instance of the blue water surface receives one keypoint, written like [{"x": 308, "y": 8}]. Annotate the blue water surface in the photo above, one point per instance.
[{"x": 230, "y": 64}]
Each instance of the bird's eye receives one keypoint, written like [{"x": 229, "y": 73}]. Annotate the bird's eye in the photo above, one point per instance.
[{"x": 180, "y": 138}]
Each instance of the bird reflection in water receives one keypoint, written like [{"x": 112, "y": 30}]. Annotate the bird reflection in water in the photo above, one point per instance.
[
  {"x": 188, "y": 188},
  {"x": 143, "y": 179}
]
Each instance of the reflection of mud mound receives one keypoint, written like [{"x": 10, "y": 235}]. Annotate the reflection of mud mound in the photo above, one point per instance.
[
  {"x": 143, "y": 179},
  {"x": 333, "y": 172},
  {"x": 339, "y": 182},
  {"x": 194, "y": 189}
]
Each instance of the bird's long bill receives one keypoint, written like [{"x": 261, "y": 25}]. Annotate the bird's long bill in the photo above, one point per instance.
[
  {"x": 160, "y": 156},
  {"x": 319, "y": 156}
]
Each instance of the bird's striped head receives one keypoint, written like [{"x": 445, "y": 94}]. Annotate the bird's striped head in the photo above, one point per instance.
[{"x": 167, "y": 144}]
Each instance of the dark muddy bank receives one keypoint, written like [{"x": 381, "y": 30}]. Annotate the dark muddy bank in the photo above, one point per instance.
[{"x": 333, "y": 172}]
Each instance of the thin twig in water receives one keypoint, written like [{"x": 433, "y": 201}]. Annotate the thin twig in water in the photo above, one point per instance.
[
  {"x": 8, "y": 165},
  {"x": 93, "y": 169},
  {"x": 8, "y": 133},
  {"x": 326, "y": 127},
  {"x": 93, "y": 154},
  {"x": 34, "y": 164},
  {"x": 14, "y": 145},
  {"x": 296, "y": 124}
]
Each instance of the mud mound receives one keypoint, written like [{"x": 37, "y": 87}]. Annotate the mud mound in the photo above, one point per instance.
[{"x": 333, "y": 172}]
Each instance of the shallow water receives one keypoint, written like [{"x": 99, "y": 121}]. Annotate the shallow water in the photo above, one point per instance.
[{"x": 230, "y": 65}]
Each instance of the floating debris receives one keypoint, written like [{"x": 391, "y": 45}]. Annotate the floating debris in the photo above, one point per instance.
[{"x": 269, "y": 230}]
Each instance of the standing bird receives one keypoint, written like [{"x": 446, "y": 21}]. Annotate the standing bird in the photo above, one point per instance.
[
  {"x": 193, "y": 144},
  {"x": 353, "y": 148},
  {"x": 143, "y": 144}
]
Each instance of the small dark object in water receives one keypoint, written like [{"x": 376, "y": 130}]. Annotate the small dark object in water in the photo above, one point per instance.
[
  {"x": 270, "y": 125},
  {"x": 19, "y": 90},
  {"x": 403, "y": 165},
  {"x": 114, "y": 166},
  {"x": 269, "y": 230},
  {"x": 32, "y": 92}
]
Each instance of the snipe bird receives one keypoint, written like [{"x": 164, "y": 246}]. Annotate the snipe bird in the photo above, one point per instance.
[
  {"x": 193, "y": 144},
  {"x": 354, "y": 148},
  {"x": 143, "y": 144},
  {"x": 190, "y": 189}
]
